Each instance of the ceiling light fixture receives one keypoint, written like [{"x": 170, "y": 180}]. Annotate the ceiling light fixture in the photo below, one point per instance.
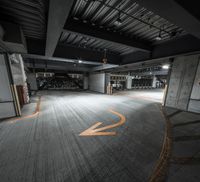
[
  {"x": 105, "y": 60},
  {"x": 159, "y": 37},
  {"x": 76, "y": 18},
  {"x": 80, "y": 61},
  {"x": 118, "y": 22},
  {"x": 165, "y": 67}
]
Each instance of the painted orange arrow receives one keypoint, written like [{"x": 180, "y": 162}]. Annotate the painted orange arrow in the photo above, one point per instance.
[
  {"x": 94, "y": 131},
  {"x": 35, "y": 113}
]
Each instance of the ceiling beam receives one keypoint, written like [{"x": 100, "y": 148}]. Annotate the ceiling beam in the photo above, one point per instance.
[
  {"x": 179, "y": 46},
  {"x": 48, "y": 66},
  {"x": 37, "y": 47},
  {"x": 70, "y": 52},
  {"x": 65, "y": 60},
  {"x": 57, "y": 16},
  {"x": 173, "y": 12},
  {"x": 103, "y": 67},
  {"x": 95, "y": 32}
]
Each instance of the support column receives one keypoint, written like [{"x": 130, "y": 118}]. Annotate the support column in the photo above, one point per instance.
[
  {"x": 154, "y": 82},
  {"x": 19, "y": 78},
  {"x": 184, "y": 88},
  {"x": 129, "y": 82},
  {"x": 31, "y": 78},
  {"x": 7, "y": 106},
  {"x": 85, "y": 82}
]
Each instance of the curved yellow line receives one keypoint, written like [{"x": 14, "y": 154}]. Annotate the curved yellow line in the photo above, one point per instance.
[{"x": 121, "y": 122}]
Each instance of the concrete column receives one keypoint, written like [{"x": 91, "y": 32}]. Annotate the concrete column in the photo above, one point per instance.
[
  {"x": 19, "y": 76},
  {"x": 129, "y": 82},
  {"x": 7, "y": 107},
  {"x": 31, "y": 78},
  {"x": 183, "y": 88},
  {"x": 17, "y": 67},
  {"x": 154, "y": 82},
  {"x": 85, "y": 82}
]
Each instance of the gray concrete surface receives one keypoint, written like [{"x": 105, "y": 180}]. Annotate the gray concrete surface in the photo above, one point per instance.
[
  {"x": 97, "y": 82},
  {"x": 154, "y": 95},
  {"x": 49, "y": 148},
  {"x": 185, "y": 161},
  {"x": 183, "y": 91}
]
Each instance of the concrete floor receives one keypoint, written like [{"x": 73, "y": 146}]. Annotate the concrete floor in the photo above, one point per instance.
[
  {"x": 48, "y": 147},
  {"x": 185, "y": 160}
]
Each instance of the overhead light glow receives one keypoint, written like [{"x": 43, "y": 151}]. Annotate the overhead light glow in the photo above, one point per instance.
[
  {"x": 79, "y": 61},
  {"x": 158, "y": 38},
  {"x": 165, "y": 67},
  {"x": 118, "y": 22}
]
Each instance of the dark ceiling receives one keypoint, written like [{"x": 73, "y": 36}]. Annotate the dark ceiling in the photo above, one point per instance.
[
  {"x": 137, "y": 21},
  {"x": 83, "y": 41},
  {"x": 31, "y": 15},
  {"x": 117, "y": 27}
]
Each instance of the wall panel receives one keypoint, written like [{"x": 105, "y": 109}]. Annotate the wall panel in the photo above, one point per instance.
[{"x": 97, "y": 82}]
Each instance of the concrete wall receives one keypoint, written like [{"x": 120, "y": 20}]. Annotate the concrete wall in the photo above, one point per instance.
[
  {"x": 97, "y": 82},
  {"x": 6, "y": 100},
  {"x": 194, "y": 104},
  {"x": 182, "y": 88},
  {"x": 31, "y": 79},
  {"x": 17, "y": 67}
]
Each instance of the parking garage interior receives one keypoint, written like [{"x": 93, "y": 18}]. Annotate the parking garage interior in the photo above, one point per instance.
[{"x": 99, "y": 90}]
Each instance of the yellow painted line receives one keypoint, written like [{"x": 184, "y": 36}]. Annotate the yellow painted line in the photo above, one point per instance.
[
  {"x": 35, "y": 113},
  {"x": 94, "y": 131},
  {"x": 162, "y": 165}
]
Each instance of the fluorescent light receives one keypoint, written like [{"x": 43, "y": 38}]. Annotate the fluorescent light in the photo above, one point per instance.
[
  {"x": 165, "y": 67},
  {"x": 79, "y": 61}
]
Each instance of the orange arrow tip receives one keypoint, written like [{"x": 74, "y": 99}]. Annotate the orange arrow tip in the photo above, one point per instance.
[{"x": 93, "y": 133}]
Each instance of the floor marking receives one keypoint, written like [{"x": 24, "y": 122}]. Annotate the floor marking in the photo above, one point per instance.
[
  {"x": 35, "y": 113},
  {"x": 94, "y": 131},
  {"x": 162, "y": 165}
]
